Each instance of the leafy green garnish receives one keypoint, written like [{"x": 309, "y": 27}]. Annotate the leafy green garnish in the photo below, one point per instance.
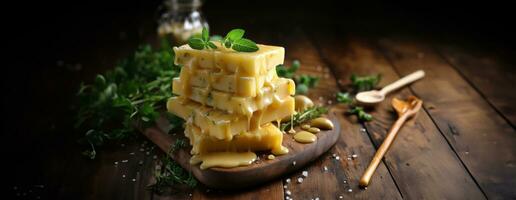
[
  {"x": 234, "y": 39},
  {"x": 359, "y": 83},
  {"x": 364, "y": 83},
  {"x": 171, "y": 173},
  {"x": 361, "y": 114},
  {"x": 303, "y": 82},
  {"x": 304, "y": 116},
  {"x": 131, "y": 94},
  {"x": 202, "y": 42},
  {"x": 344, "y": 97}
]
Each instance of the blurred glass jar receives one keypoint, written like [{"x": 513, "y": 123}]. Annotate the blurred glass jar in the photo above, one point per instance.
[{"x": 181, "y": 19}]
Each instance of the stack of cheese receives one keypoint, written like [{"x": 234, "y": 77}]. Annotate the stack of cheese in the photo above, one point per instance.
[{"x": 229, "y": 99}]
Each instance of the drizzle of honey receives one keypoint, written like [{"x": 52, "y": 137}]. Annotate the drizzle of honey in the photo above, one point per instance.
[
  {"x": 281, "y": 151},
  {"x": 223, "y": 159},
  {"x": 305, "y": 137}
]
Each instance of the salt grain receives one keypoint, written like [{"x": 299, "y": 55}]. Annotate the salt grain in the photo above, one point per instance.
[
  {"x": 124, "y": 161},
  {"x": 350, "y": 190},
  {"x": 155, "y": 157},
  {"x": 116, "y": 163},
  {"x": 341, "y": 197},
  {"x": 294, "y": 163},
  {"x": 123, "y": 176},
  {"x": 141, "y": 162},
  {"x": 134, "y": 180},
  {"x": 141, "y": 149},
  {"x": 325, "y": 168},
  {"x": 132, "y": 153},
  {"x": 337, "y": 158},
  {"x": 305, "y": 173},
  {"x": 345, "y": 181},
  {"x": 354, "y": 156},
  {"x": 299, "y": 180},
  {"x": 287, "y": 180},
  {"x": 316, "y": 198},
  {"x": 285, "y": 186},
  {"x": 288, "y": 192},
  {"x": 147, "y": 153}
]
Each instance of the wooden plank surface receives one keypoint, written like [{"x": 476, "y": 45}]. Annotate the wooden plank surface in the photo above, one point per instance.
[
  {"x": 341, "y": 177},
  {"x": 489, "y": 74},
  {"x": 411, "y": 159},
  {"x": 479, "y": 135}
]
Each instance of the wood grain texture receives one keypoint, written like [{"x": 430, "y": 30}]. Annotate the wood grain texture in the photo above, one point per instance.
[
  {"x": 421, "y": 162},
  {"x": 480, "y": 136},
  {"x": 489, "y": 74},
  {"x": 343, "y": 174}
]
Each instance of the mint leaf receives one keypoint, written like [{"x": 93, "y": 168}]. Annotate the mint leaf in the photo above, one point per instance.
[
  {"x": 244, "y": 45},
  {"x": 212, "y": 45},
  {"x": 205, "y": 34},
  {"x": 196, "y": 43},
  {"x": 235, "y": 34}
]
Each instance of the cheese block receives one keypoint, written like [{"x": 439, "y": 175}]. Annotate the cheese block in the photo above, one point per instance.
[
  {"x": 222, "y": 125},
  {"x": 267, "y": 137},
  {"x": 279, "y": 89},
  {"x": 243, "y": 86},
  {"x": 250, "y": 64}
]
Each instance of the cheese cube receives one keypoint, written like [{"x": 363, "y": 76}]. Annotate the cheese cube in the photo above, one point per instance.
[
  {"x": 279, "y": 89},
  {"x": 268, "y": 137},
  {"x": 228, "y": 60},
  {"x": 224, "y": 126}
]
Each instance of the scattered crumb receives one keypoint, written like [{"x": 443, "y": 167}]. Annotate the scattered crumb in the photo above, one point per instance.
[{"x": 271, "y": 157}]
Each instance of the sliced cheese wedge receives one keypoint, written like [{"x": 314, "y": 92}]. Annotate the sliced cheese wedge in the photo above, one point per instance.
[
  {"x": 222, "y": 125},
  {"x": 267, "y": 137},
  {"x": 279, "y": 89}
]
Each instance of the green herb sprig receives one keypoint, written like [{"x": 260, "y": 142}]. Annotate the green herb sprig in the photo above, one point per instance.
[
  {"x": 132, "y": 93},
  {"x": 202, "y": 42},
  {"x": 303, "y": 82},
  {"x": 234, "y": 39},
  {"x": 365, "y": 83},
  {"x": 304, "y": 116},
  {"x": 359, "y": 83},
  {"x": 171, "y": 173},
  {"x": 361, "y": 114}
]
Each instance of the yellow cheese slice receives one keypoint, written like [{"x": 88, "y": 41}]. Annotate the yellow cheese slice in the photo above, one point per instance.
[
  {"x": 279, "y": 89},
  {"x": 230, "y": 61},
  {"x": 224, "y": 126},
  {"x": 267, "y": 137},
  {"x": 238, "y": 85}
]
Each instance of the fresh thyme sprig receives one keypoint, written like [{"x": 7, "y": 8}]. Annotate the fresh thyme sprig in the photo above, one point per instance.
[
  {"x": 304, "y": 116},
  {"x": 234, "y": 39},
  {"x": 171, "y": 173},
  {"x": 303, "y": 82}
]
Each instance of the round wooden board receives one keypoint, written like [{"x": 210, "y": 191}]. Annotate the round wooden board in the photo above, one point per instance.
[{"x": 259, "y": 172}]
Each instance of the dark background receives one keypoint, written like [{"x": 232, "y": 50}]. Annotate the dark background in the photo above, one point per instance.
[{"x": 55, "y": 45}]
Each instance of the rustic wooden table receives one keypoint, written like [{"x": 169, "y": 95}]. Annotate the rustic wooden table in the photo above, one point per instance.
[{"x": 462, "y": 145}]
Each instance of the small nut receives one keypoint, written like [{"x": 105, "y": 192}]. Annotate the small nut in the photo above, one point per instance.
[
  {"x": 305, "y": 126},
  {"x": 314, "y": 130},
  {"x": 302, "y": 103},
  {"x": 322, "y": 123}
]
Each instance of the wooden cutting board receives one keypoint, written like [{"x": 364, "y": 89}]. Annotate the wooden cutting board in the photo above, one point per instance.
[{"x": 259, "y": 172}]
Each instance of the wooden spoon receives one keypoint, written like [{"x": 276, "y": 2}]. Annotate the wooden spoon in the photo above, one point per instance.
[
  {"x": 369, "y": 98},
  {"x": 406, "y": 110}
]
